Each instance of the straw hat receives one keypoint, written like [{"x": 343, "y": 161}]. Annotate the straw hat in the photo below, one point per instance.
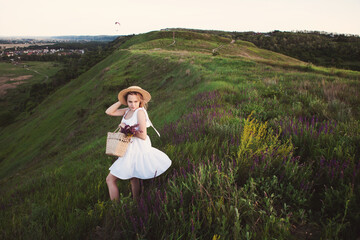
[{"x": 121, "y": 96}]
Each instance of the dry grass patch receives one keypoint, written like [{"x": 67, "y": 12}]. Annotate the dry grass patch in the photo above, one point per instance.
[
  {"x": 338, "y": 90},
  {"x": 270, "y": 81},
  {"x": 304, "y": 86}
]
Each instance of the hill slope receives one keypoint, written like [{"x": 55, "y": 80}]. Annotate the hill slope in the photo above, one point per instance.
[{"x": 232, "y": 176}]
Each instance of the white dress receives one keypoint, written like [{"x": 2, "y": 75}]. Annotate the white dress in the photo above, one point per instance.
[{"x": 141, "y": 160}]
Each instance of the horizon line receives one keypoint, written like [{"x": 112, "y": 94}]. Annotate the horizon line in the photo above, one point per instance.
[{"x": 178, "y": 28}]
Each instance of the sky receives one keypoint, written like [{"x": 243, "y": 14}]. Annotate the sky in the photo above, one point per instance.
[{"x": 86, "y": 17}]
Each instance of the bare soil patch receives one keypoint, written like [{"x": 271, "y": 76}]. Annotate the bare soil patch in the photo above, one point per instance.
[{"x": 7, "y": 82}]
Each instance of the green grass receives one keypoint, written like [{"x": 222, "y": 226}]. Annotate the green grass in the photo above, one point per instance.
[{"x": 277, "y": 174}]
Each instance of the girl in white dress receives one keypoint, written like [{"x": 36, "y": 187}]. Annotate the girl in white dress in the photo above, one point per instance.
[{"x": 141, "y": 160}]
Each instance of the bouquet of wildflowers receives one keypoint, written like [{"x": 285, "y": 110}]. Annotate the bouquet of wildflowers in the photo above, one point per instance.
[{"x": 130, "y": 131}]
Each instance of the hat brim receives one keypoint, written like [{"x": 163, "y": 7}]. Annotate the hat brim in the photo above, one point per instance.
[{"x": 121, "y": 96}]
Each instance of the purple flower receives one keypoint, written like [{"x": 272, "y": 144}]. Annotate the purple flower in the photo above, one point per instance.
[
  {"x": 130, "y": 130},
  {"x": 326, "y": 128}
]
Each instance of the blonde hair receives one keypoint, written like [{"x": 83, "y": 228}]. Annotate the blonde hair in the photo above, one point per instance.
[{"x": 141, "y": 99}]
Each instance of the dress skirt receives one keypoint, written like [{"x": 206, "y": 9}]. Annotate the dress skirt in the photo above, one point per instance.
[{"x": 141, "y": 160}]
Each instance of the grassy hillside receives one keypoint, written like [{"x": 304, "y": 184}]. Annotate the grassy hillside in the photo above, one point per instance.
[{"x": 263, "y": 146}]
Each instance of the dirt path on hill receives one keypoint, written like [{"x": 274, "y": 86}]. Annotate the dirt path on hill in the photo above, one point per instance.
[
  {"x": 46, "y": 76},
  {"x": 173, "y": 40},
  {"x": 221, "y": 46}
]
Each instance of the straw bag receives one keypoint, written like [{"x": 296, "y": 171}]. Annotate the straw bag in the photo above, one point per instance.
[{"x": 117, "y": 143}]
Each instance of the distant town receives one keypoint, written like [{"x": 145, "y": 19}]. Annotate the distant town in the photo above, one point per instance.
[
  {"x": 15, "y": 47},
  {"x": 56, "y": 39},
  {"x": 33, "y": 47},
  {"x": 40, "y": 52}
]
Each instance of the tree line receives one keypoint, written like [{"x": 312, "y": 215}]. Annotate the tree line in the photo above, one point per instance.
[{"x": 325, "y": 49}]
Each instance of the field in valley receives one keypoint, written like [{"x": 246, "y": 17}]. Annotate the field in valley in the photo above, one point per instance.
[{"x": 13, "y": 74}]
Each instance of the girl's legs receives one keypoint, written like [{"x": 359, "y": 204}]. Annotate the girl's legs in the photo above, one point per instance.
[
  {"x": 135, "y": 188},
  {"x": 113, "y": 189}
]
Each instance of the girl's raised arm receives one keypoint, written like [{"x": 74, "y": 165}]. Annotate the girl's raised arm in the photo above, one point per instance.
[{"x": 114, "y": 111}]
